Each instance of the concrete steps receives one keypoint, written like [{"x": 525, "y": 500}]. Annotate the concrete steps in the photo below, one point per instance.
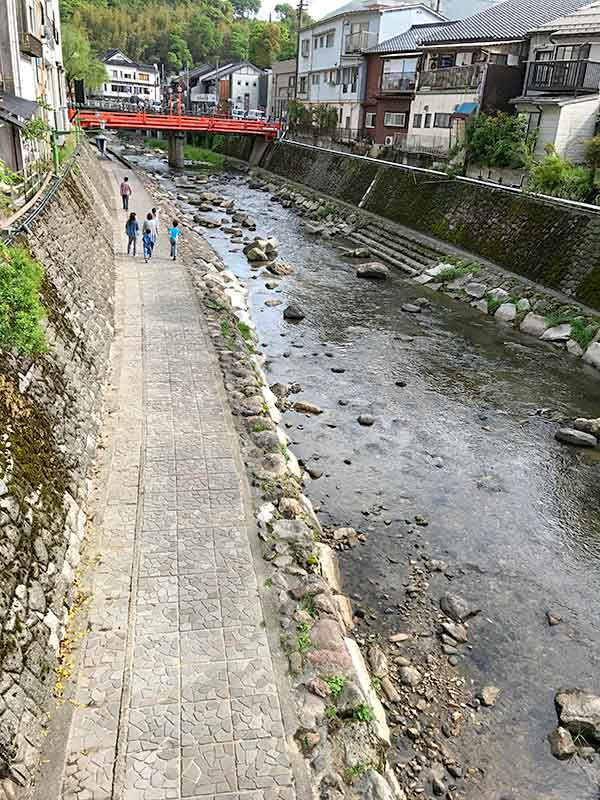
[{"x": 397, "y": 249}]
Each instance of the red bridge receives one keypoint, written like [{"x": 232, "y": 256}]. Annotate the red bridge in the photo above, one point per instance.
[{"x": 173, "y": 123}]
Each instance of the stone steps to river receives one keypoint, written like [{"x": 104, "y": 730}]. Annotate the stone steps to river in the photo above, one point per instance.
[
  {"x": 390, "y": 255},
  {"x": 401, "y": 241}
]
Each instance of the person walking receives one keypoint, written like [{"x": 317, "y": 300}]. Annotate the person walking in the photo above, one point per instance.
[
  {"x": 149, "y": 236},
  {"x": 174, "y": 234},
  {"x": 132, "y": 229},
  {"x": 156, "y": 215},
  {"x": 125, "y": 193}
]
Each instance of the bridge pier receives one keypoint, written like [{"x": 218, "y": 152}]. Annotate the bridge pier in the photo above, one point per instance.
[
  {"x": 259, "y": 148},
  {"x": 176, "y": 145}
]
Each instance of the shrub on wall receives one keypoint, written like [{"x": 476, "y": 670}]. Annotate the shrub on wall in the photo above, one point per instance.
[
  {"x": 498, "y": 141},
  {"x": 556, "y": 176},
  {"x": 21, "y": 310}
]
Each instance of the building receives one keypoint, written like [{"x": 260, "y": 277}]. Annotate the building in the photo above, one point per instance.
[
  {"x": 129, "y": 82},
  {"x": 237, "y": 86},
  {"x": 392, "y": 69},
  {"x": 283, "y": 80},
  {"x": 30, "y": 68},
  {"x": 331, "y": 67},
  {"x": 475, "y": 64},
  {"x": 561, "y": 94}
]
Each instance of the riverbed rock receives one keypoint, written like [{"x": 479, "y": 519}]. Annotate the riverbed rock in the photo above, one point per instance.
[
  {"x": 575, "y": 437},
  {"x": 293, "y": 313},
  {"x": 366, "y": 419},
  {"x": 304, "y": 407},
  {"x": 373, "y": 269},
  {"x": 411, "y": 308},
  {"x": 592, "y": 355},
  {"x": 574, "y": 348},
  {"x": 455, "y": 630},
  {"x": 489, "y": 695},
  {"x": 476, "y": 290},
  {"x": 280, "y": 269},
  {"x": 559, "y": 333},
  {"x": 506, "y": 313},
  {"x": 499, "y": 294},
  {"x": 523, "y": 305},
  {"x": 377, "y": 661},
  {"x": 579, "y": 712},
  {"x": 562, "y": 745},
  {"x": 456, "y": 607},
  {"x": 255, "y": 253},
  {"x": 588, "y": 426},
  {"x": 533, "y": 324},
  {"x": 410, "y": 676}
]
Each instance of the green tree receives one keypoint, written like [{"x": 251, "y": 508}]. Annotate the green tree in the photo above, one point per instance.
[
  {"x": 203, "y": 37},
  {"x": 245, "y": 8},
  {"x": 556, "y": 176},
  {"x": 497, "y": 141},
  {"x": 288, "y": 22},
  {"x": 79, "y": 61},
  {"x": 238, "y": 46},
  {"x": 264, "y": 43}
]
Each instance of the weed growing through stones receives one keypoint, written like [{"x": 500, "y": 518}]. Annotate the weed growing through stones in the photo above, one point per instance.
[
  {"x": 21, "y": 310},
  {"x": 376, "y": 683},
  {"x": 336, "y": 683},
  {"x": 331, "y": 712},
  {"x": 303, "y": 636},
  {"x": 246, "y": 331},
  {"x": 452, "y": 273},
  {"x": 363, "y": 713},
  {"x": 493, "y": 304},
  {"x": 268, "y": 583},
  {"x": 354, "y": 772},
  {"x": 260, "y": 426},
  {"x": 583, "y": 332}
]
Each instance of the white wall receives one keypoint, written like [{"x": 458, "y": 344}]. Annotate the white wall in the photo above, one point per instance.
[
  {"x": 245, "y": 81},
  {"x": 442, "y": 103},
  {"x": 576, "y": 126},
  {"x": 399, "y": 20}
]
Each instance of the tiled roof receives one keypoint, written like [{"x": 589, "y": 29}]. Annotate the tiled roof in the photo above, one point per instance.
[
  {"x": 583, "y": 21},
  {"x": 364, "y": 5},
  {"x": 408, "y": 42},
  {"x": 513, "y": 19}
]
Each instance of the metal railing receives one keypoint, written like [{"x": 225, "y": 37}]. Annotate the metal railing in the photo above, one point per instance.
[
  {"x": 429, "y": 145},
  {"x": 468, "y": 77},
  {"x": 356, "y": 43},
  {"x": 563, "y": 76},
  {"x": 398, "y": 81}
]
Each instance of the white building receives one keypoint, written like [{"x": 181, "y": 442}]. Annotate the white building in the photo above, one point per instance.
[
  {"x": 236, "y": 86},
  {"x": 561, "y": 95},
  {"x": 129, "y": 82},
  {"x": 30, "y": 68},
  {"x": 331, "y": 65}
]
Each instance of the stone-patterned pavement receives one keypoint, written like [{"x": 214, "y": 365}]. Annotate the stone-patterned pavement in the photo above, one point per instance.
[{"x": 176, "y": 696}]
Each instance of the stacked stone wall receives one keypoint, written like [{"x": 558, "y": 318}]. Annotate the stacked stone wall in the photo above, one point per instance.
[
  {"x": 51, "y": 414},
  {"x": 552, "y": 243}
]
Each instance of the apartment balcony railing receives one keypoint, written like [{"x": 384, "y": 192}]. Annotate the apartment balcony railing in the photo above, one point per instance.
[
  {"x": 357, "y": 43},
  {"x": 468, "y": 77},
  {"x": 30, "y": 45},
  {"x": 563, "y": 76},
  {"x": 398, "y": 82}
]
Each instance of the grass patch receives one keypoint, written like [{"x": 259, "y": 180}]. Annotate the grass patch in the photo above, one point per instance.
[
  {"x": 303, "y": 637},
  {"x": 21, "y": 309},
  {"x": 156, "y": 144},
  {"x": 308, "y": 604},
  {"x": 583, "y": 332},
  {"x": 192, "y": 152},
  {"x": 331, "y": 712},
  {"x": 260, "y": 426},
  {"x": 268, "y": 583},
  {"x": 312, "y": 560},
  {"x": 376, "y": 683},
  {"x": 363, "y": 713},
  {"x": 493, "y": 304},
  {"x": 245, "y": 330},
  {"x": 354, "y": 772},
  {"x": 68, "y": 148},
  {"x": 452, "y": 273},
  {"x": 336, "y": 683}
]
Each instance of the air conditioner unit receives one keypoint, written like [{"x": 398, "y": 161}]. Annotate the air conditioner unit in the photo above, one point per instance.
[{"x": 389, "y": 140}]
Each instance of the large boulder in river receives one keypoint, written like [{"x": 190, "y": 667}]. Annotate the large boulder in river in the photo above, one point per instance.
[
  {"x": 373, "y": 269},
  {"x": 588, "y": 426},
  {"x": 579, "y": 712},
  {"x": 294, "y": 313},
  {"x": 280, "y": 269},
  {"x": 575, "y": 437},
  {"x": 534, "y": 324},
  {"x": 254, "y": 253}
]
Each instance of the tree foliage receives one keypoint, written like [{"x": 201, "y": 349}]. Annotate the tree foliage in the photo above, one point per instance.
[
  {"x": 79, "y": 61},
  {"x": 498, "y": 141},
  {"x": 320, "y": 119},
  {"x": 176, "y": 33}
]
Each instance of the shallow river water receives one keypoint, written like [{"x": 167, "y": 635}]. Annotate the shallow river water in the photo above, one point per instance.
[{"x": 514, "y": 512}]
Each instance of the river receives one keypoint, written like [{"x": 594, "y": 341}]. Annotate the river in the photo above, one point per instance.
[{"x": 515, "y": 513}]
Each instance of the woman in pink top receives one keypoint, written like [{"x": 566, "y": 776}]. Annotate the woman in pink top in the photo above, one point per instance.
[{"x": 125, "y": 193}]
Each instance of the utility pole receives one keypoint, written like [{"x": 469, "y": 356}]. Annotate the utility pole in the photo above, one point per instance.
[{"x": 302, "y": 4}]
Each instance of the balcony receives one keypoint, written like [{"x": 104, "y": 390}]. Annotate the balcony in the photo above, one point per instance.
[
  {"x": 452, "y": 78},
  {"x": 30, "y": 45},
  {"x": 563, "y": 77},
  {"x": 398, "y": 82},
  {"x": 357, "y": 43}
]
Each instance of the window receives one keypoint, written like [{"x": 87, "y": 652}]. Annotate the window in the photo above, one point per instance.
[
  {"x": 370, "y": 120},
  {"x": 357, "y": 27},
  {"x": 441, "y": 120},
  {"x": 305, "y": 47},
  {"x": 316, "y": 43},
  {"x": 533, "y": 121},
  {"x": 143, "y": 76},
  {"x": 330, "y": 39},
  {"x": 544, "y": 55},
  {"x": 576, "y": 52},
  {"x": 292, "y": 81},
  {"x": 393, "y": 120},
  {"x": 321, "y": 41},
  {"x": 417, "y": 120},
  {"x": 303, "y": 85},
  {"x": 333, "y": 77},
  {"x": 427, "y": 123},
  {"x": 443, "y": 61},
  {"x": 315, "y": 78}
]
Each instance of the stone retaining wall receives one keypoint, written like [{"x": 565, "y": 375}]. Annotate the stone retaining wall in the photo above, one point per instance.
[
  {"x": 553, "y": 244},
  {"x": 51, "y": 414}
]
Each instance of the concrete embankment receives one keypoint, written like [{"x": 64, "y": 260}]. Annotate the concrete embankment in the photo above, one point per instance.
[
  {"x": 51, "y": 414},
  {"x": 552, "y": 243}
]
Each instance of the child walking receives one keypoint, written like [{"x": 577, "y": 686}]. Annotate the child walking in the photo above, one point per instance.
[
  {"x": 132, "y": 229},
  {"x": 148, "y": 240},
  {"x": 174, "y": 234}
]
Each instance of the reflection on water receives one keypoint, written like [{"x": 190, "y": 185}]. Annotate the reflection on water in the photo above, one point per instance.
[{"x": 518, "y": 511}]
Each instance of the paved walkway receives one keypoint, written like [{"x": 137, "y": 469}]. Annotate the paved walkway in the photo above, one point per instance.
[{"x": 177, "y": 696}]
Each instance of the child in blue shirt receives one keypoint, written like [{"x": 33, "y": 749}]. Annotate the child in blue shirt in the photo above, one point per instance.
[
  {"x": 174, "y": 234},
  {"x": 148, "y": 240}
]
